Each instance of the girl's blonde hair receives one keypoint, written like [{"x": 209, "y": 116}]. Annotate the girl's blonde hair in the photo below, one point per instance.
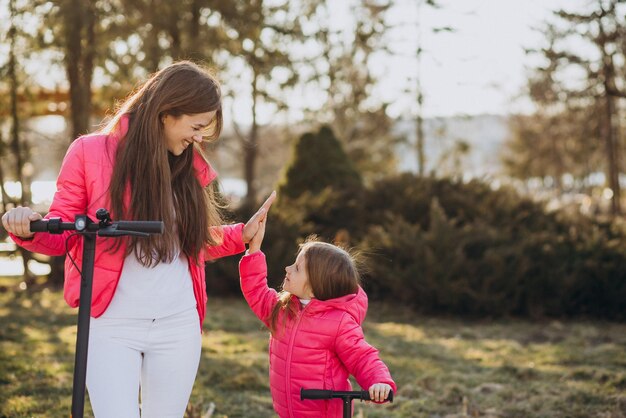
[{"x": 332, "y": 273}]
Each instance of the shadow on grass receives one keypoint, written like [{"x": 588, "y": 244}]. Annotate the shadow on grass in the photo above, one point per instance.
[
  {"x": 37, "y": 337},
  {"x": 443, "y": 367},
  {"x": 501, "y": 369}
]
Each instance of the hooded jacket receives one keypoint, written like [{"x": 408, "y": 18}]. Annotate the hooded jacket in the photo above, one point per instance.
[
  {"x": 83, "y": 188},
  {"x": 318, "y": 349}
]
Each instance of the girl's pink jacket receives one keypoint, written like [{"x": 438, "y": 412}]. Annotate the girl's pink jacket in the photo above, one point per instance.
[
  {"x": 318, "y": 349},
  {"x": 82, "y": 188}
]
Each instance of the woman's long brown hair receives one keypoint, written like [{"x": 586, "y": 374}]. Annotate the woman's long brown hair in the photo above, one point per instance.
[
  {"x": 163, "y": 186},
  {"x": 332, "y": 273}
]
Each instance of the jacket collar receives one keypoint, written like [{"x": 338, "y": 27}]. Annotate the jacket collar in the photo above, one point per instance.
[{"x": 354, "y": 304}]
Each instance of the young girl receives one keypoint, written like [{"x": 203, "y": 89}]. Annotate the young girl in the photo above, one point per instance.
[
  {"x": 315, "y": 322},
  {"x": 149, "y": 294}
]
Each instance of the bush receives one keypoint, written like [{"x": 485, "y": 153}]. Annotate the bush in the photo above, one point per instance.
[
  {"x": 449, "y": 247},
  {"x": 476, "y": 251}
]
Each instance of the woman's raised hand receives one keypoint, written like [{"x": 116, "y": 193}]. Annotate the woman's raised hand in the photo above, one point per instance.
[
  {"x": 252, "y": 226},
  {"x": 255, "y": 243},
  {"x": 17, "y": 221}
]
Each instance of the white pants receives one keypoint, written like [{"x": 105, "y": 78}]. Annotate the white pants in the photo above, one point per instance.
[{"x": 160, "y": 356}]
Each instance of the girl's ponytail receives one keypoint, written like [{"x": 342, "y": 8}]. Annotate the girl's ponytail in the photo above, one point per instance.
[{"x": 285, "y": 304}]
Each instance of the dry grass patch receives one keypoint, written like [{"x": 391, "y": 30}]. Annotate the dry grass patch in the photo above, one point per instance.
[{"x": 443, "y": 367}]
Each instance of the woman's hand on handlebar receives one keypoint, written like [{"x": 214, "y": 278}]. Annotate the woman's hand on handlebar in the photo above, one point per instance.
[
  {"x": 379, "y": 392},
  {"x": 251, "y": 227},
  {"x": 17, "y": 221}
]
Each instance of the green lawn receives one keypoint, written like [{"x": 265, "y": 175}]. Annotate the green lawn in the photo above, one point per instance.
[{"x": 443, "y": 367}]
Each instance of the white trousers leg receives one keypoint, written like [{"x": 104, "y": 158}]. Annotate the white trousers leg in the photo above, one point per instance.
[{"x": 158, "y": 358}]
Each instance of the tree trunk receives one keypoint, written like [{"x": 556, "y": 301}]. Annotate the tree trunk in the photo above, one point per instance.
[
  {"x": 612, "y": 150},
  {"x": 75, "y": 19},
  {"x": 5, "y": 197},
  {"x": 193, "y": 45},
  {"x": 419, "y": 122},
  {"x": 251, "y": 150},
  {"x": 80, "y": 22},
  {"x": 611, "y": 129},
  {"x": 16, "y": 146},
  {"x": 419, "y": 142}
]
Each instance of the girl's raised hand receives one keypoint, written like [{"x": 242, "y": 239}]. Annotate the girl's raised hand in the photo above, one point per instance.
[
  {"x": 255, "y": 243},
  {"x": 251, "y": 227},
  {"x": 379, "y": 392}
]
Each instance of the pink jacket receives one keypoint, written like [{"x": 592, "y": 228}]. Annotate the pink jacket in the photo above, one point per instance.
[
  {"x": 318, "y": 349},
  {"x": 82, "y": 188}
]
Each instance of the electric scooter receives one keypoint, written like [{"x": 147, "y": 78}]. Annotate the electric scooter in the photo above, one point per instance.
[{"x": 89, "y": 230}]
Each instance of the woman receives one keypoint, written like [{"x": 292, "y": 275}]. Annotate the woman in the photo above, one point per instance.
[{"x": 148, "y": 293}]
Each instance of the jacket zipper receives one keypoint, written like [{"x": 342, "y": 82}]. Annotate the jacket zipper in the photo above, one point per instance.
[{"x": 288, "y": 363}]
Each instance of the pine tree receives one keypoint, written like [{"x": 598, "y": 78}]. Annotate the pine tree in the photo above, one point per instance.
[{"x": 318, "y": 162}]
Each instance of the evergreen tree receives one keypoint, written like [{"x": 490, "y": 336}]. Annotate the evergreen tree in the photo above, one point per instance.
[{"x": 318, "y": 162}]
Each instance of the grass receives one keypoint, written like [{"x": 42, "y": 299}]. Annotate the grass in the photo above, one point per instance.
[{"x": 444, "y": 368}]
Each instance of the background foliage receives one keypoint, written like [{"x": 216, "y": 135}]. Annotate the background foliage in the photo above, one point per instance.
[{"x": 447, "y": 246}]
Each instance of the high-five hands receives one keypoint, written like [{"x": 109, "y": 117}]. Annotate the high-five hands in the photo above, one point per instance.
[
  {"x": 252, "y": 226},
  {"x": 255, "y": 243}
]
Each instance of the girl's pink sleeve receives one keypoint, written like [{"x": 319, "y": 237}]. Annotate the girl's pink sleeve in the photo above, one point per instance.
[
  {"x": 253, "y": 280},
  {"x": 360, "y": 358},
  {"x": 231, "y": 237},
  {"x": 70, "y": 199}
]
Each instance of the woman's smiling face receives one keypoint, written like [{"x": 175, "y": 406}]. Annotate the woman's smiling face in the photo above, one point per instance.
[{"x": 184, "y": 130}]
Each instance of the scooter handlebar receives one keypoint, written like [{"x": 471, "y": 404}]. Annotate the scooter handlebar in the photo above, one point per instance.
[
  {"x": 148, "y": 227},
  {"x": 329, "y": 394},
  {"x": 39, "y": 226},
  {"x": 315, "y": 394},
  {"x": 54, "y": 225}
]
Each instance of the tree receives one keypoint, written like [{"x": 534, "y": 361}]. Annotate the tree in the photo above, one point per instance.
[
  {"x": 552, "y": 146},
  {"x": 261, "y": 37},
  {"x": 590, "y": 109},
  {"x": 318, "y": 162},
  {"x": 18, "y": 145},
  {"x": 343, "y": 71},
  {"x": 419, "y": 119},
  {"x": 70, "y": 28},
  {"x": 79, "y": 18}
]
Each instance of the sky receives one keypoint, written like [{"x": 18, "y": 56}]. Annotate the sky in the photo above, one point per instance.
[{"x": 479, "y": 68}]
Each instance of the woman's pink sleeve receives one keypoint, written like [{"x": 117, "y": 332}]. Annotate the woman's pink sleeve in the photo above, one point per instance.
[
  {"x": 69, "y": 200},
  {"x": 253, "y": 280},
  {"x": 231, "y": 237}
]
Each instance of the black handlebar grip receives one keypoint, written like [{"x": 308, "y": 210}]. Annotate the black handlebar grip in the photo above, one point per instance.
[
  {"x": 149, "y": 227},
  {"x": 39, "y": 226},
  {"x": 365, "y": 395},
  {"x": 315, "y": 394}
]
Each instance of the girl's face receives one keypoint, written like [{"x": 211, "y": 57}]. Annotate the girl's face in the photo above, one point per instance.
[
  {"x": 297, "y": 280},
  {"x": 182, "y": 131}
]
